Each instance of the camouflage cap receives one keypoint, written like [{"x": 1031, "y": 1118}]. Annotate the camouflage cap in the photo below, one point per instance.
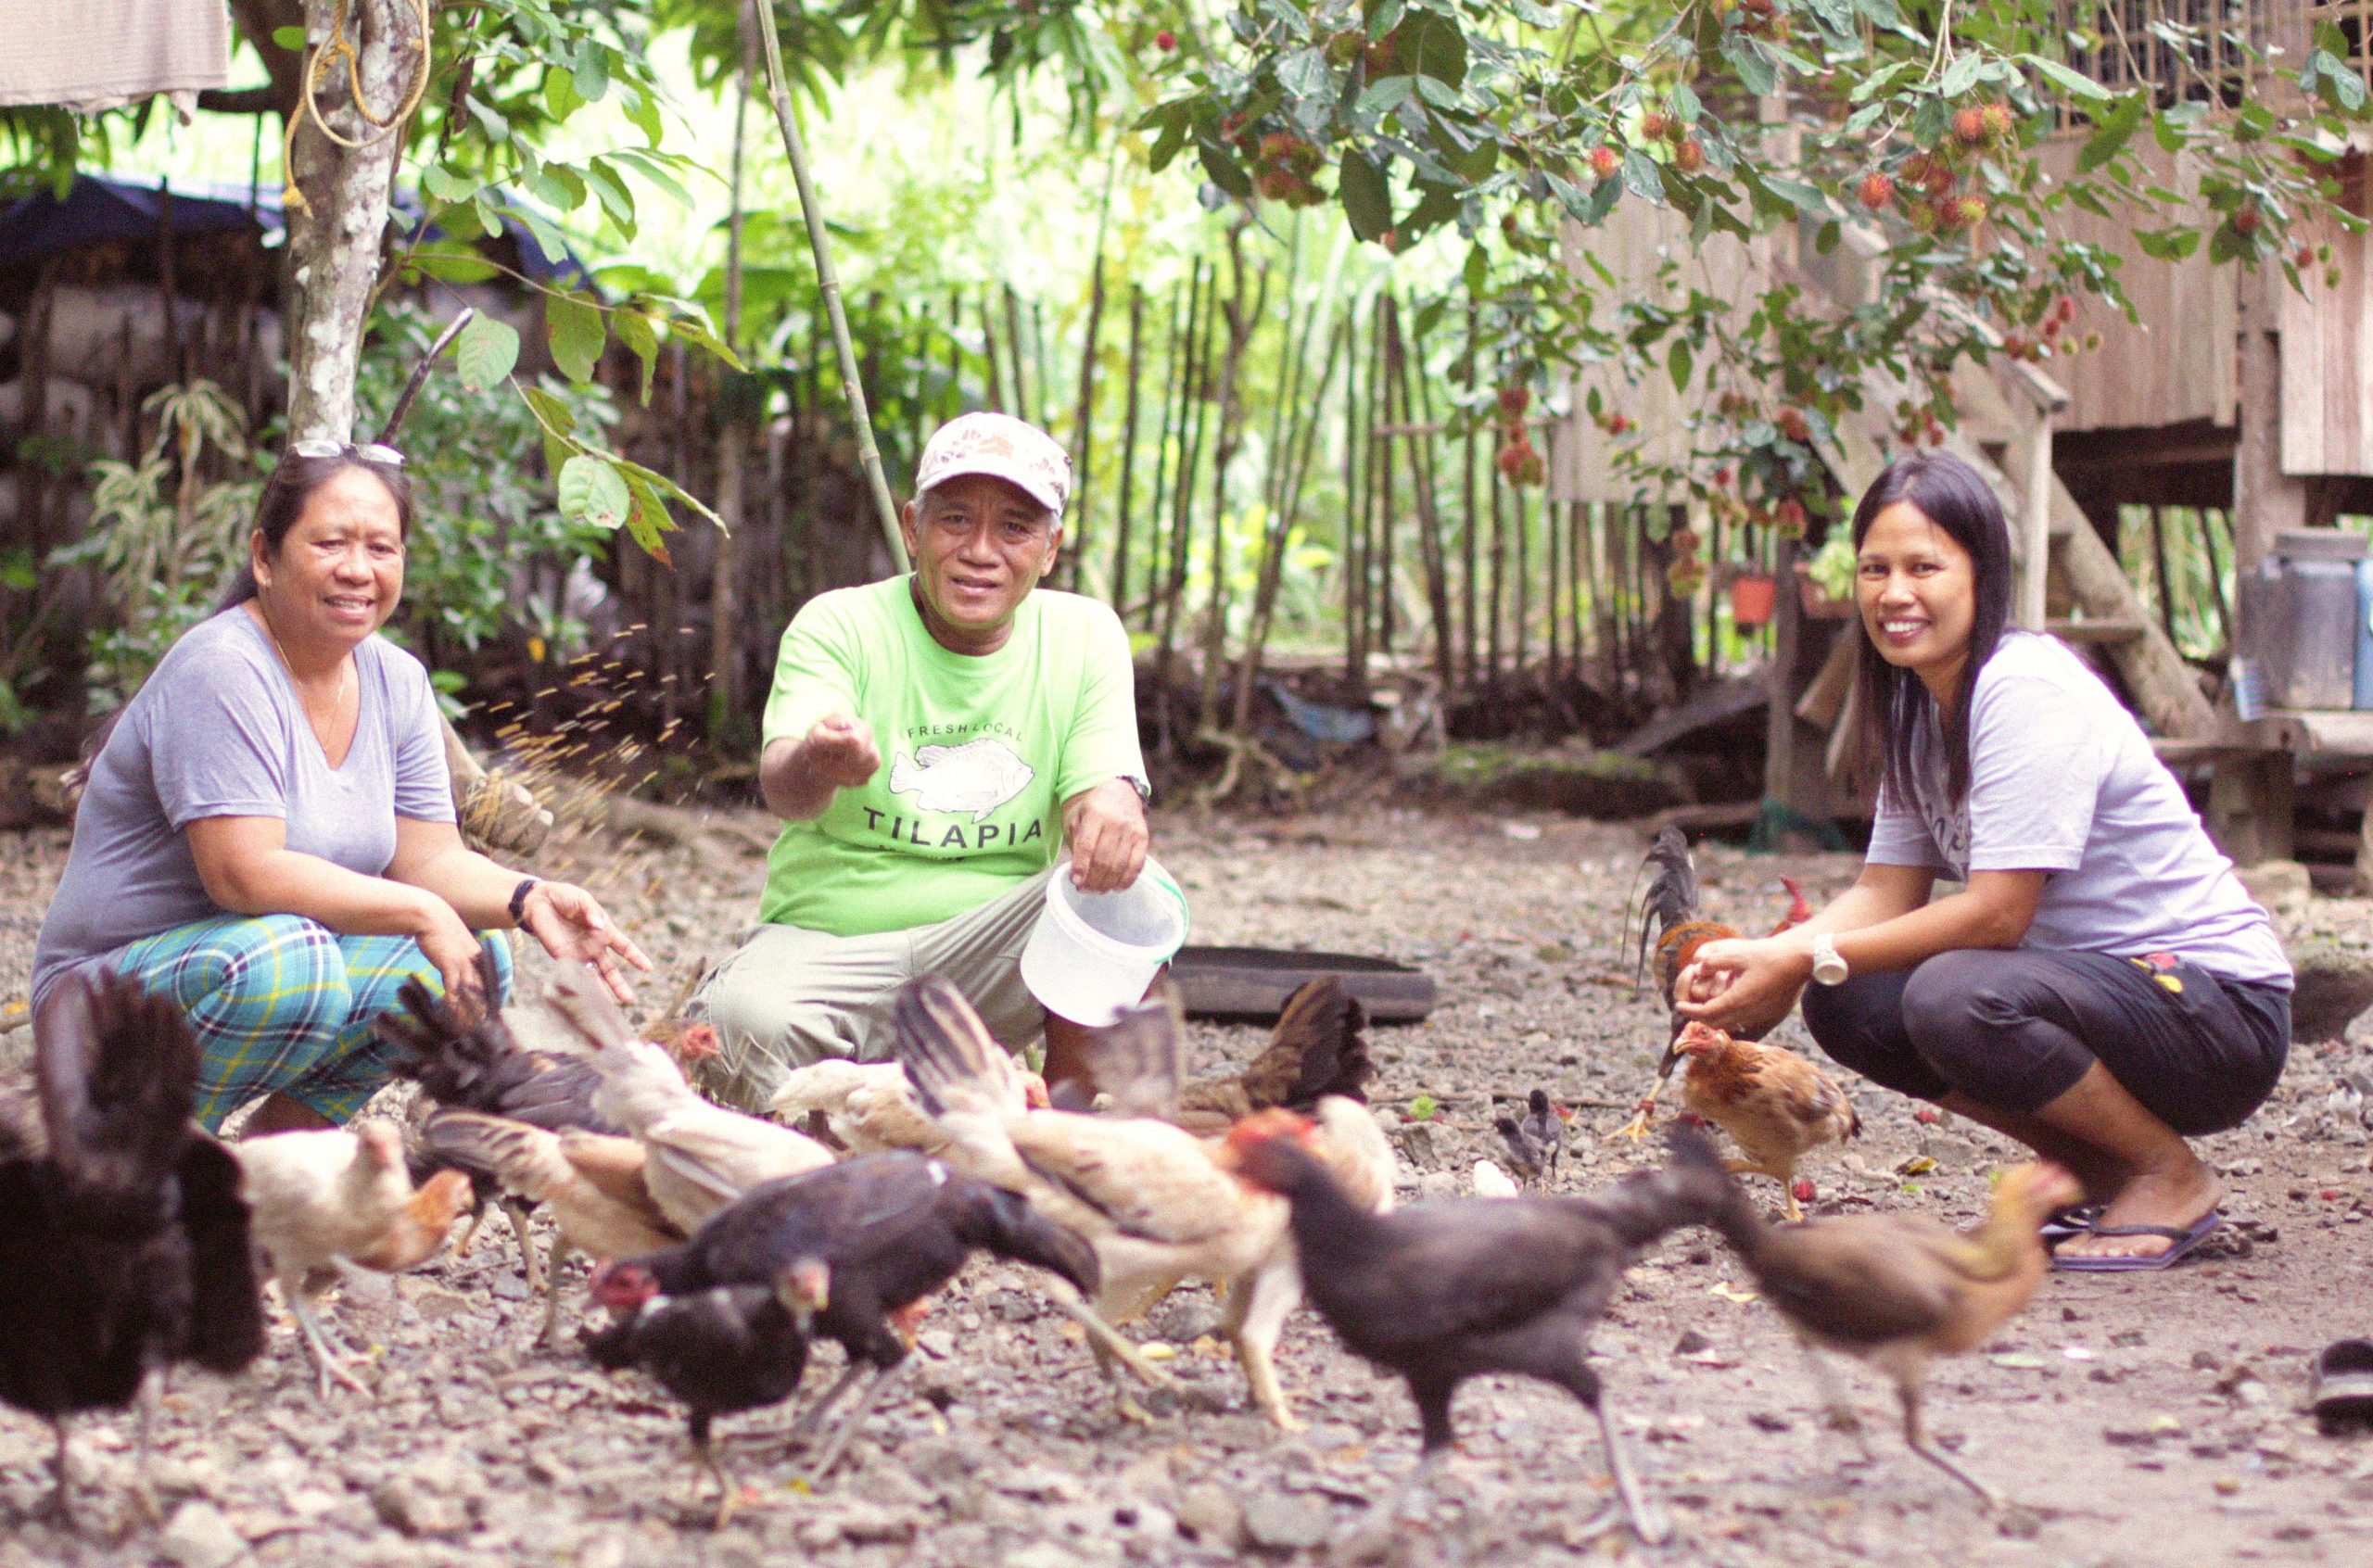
[{"x": 1003, "y": 447}]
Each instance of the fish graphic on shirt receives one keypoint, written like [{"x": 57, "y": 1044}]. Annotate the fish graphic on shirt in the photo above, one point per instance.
[{"x": 977, "y": 776}]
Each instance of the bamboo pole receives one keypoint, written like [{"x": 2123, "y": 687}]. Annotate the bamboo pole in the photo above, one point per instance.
[
  {"x": 1200, "y": 312},
  {"x": 1520, "y": 583},
  {"x": 1430, "y": 523},
  {"x": 829, "y": 284},
  {"x": 1468, "y": 515},
  {"x": 1013, "y": 357},
  {"x": 1294, "y": 470},
  {"x": 1381, "y": 456},
  {"x": 1354, "y": 521},
  {"x": 1173, "y": 373},
  {"x": 2159, "y": 564},
  {"x": 989, "y": 353},
  {"x": 1241, "y": 321},
  {"x": 1083, "y": 422},
  {"x": 725, "y": 571},
  {"x": 1119, "y": 588}
]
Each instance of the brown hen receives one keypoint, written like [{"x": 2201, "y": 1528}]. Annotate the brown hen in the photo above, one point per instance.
[{"x": 1777, "y": 1106}]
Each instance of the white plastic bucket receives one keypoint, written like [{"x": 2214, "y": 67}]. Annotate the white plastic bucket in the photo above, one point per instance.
[{"x": 1092, "y": 954}]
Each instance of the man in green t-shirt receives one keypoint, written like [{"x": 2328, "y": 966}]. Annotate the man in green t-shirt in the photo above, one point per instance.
[{"x": 933, "y": 743}]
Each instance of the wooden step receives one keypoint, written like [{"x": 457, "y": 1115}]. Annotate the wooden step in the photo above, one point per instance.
[{"x": 2105, "y": 631}]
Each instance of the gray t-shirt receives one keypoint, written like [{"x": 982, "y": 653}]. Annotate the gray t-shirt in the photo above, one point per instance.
[
  {"x": 2062, "y": 780},
  {"x": 218, "y": 731}
]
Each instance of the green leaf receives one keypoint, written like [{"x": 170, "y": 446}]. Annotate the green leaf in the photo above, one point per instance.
[
  {"x": 642, "y": 107},
  {"x": 561, "y": 97},
  {"x": 1748, "y": 57},
  {"x": 616, "y": 200},
  {"x": 577, "y": 335},
  {"x": 654, "y": 170},
  {"x": 1303, "y": 73},
  {"x": 1367, "y": 195},
  {"x": 290, "y": 38},
  {"x": 592, "y": 77},
  {"x": 1962, "y": 75},
  {"x": 1221, "y": 167},
  {"x": 2075, "y": 84},
  {"x": 490, "y": 119},
  {"x": 1679, "y": 362},
  {"x": 647, "y": 519},
  {"x": 1432, "y": 44},
  {"x": 2115, "y": 130},
  {"x": 635, "y": 331},
  {"x": 593, "y": 491},
  {"x": 558, "y": 425},
  {"x": 1640, "y": 176},
  {"x": 1478, "y": 271},
  {"x": 486, "y": 352},
  {"x": 2225, "y": 245},
  {"x": 446, "y": 185},
  {"x": 452, "y": 263}
]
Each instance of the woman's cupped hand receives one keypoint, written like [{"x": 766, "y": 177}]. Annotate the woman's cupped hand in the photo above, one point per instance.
[
  {"x": 1742, "y": 984},
  {"x": 572, "y": 925}
]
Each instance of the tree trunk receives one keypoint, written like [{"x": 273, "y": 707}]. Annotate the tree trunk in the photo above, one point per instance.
[
  {"x": 732, "y": 436},
  {"x": 335, "y": 236}
]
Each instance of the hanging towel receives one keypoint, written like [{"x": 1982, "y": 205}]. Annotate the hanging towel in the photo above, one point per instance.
[{"x": 93, "y": 55}]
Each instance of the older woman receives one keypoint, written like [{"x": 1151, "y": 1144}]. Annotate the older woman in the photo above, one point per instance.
[{"x": 268, "y": 834}]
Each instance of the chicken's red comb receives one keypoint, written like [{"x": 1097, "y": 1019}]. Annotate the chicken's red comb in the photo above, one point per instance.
[{"x": 1274, "y": 1123}]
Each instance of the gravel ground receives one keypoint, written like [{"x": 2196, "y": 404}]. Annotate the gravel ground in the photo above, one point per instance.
[{"x": 2158, "y": 1419}]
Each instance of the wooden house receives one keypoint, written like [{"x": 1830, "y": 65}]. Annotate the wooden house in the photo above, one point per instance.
[{"x": 2233, "y": 391}]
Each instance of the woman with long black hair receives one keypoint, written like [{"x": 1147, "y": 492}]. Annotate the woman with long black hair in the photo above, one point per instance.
[{"x": 2101, "y": 987}]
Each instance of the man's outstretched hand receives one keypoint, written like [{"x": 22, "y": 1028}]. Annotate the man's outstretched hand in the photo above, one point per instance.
[
  {"x": 1109, "y": 838},
  {"x": 840, "y": 751}
]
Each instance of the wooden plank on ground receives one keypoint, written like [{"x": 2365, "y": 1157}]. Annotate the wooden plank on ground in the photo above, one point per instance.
[{"x": 1712, "y": 704}]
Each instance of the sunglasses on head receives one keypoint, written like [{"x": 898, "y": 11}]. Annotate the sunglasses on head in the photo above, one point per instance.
[{"x": 323, "y": 447}]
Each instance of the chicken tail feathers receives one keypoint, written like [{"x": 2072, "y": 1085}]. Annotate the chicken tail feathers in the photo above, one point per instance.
[
  {"x": 226, "y": 1326},
  {"x": 1140, "y": 1056},
  {"x": 116, "y": 1068},
  {"x": 1326, "y": 1023},
  {"x": 1004, "y": 1223},
  {"x": 1691, "y": 1189},
  {"x": 1671, "y": 896},
  {"x": 453, "y": 1057},
  {"x": 578, "y": 995},
  {"x": 948, "y": 1051},
  {"x": 515, "y": 1156}
]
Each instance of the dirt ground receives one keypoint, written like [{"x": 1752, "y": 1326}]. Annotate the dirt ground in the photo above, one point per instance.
[{"x": 2142, "y": 1419}]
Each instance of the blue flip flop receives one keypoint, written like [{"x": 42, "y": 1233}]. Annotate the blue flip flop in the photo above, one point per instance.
[
  {"x": 2183, "y": 1239},
  {"x": 2067, "y": 1223}
]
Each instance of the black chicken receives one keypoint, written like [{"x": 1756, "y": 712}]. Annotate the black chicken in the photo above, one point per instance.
[
  {"x": 892, "y": 1228},
  {"x": 721, "y": 1350},
  {"x": 1442, "y": 1292},
  {"x": 468, "y": 1061},
  {"x": 122, "y": 1232},
  {"x": 1534, "y": 1141}
]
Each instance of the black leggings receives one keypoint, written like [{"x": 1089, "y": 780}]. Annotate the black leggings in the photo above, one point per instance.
[{"x": 2017, "y": 1030}]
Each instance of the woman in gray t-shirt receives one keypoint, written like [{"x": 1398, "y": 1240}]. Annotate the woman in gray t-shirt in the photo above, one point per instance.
[
  {"x": 268, "y": 833},
  {"x": 2103, "y": 988}
]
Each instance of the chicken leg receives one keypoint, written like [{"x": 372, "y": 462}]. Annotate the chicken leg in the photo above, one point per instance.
[
  {"x": 1254, "y": 1317},
  {"x": 549, "y": 1338},
  {"x": 1786, "y": 1176},
  {"x": 327, "y": 1362},
  {"x": 847, "y": 1429},
  {"x": 539, "y": 1278},
  {"x": 1648, "y": 1522},
  {"x": 1915, "y": 1437}
]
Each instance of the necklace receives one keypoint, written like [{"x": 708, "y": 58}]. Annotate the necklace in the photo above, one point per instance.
[{"x": 346, "y": 665}]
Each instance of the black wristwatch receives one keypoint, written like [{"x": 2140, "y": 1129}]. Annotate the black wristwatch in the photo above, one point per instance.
[{"x": 519, "y": 899}]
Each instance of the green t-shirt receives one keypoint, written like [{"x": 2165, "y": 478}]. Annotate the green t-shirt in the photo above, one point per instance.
[{"x": 978, "y": 753}]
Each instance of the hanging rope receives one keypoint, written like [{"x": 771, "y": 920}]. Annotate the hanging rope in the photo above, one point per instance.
[{"x": 320, "y": 60}]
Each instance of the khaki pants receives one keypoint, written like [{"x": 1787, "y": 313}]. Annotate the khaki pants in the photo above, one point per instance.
[{"x": 789, "y": 997}]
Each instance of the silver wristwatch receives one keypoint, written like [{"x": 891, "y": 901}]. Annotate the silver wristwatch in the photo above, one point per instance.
[{"x": 1828, "y": 964}]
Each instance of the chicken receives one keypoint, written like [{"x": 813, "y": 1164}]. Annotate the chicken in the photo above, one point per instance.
[
  {"x": 1673, "y": 904},
  {"x": 1778, "y": 1106},
  {"x": 865, "y": 1107},
  {"x": 1317, "y": 1049},
  {"x": 1490, "y": 1181},
  {"x": 1447, "y": 1291},
  {"x": 465, "y": 1060},
  {"x": 122, "y": 1234},
  {"x": 1898, "y": 1290},
  {"x": 721, "y": 1350},
  {"x": 336, "y": 1194},
  {"x": 700, "y": 1155},
  {"x": 592, "y": 1184},
  {"x": 1143, "y": 1193},
  {"x": 1534, "y": 1141},
  {"x": 892, "y": 1228}
]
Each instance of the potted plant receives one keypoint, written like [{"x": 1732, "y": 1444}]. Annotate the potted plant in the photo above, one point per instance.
[
  {"x": 1753, "y": 595},
  {"x": 1825, "y": 584}
]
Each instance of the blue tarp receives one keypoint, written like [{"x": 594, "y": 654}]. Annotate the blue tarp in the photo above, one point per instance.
[{"x": 97, "y": 209}]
